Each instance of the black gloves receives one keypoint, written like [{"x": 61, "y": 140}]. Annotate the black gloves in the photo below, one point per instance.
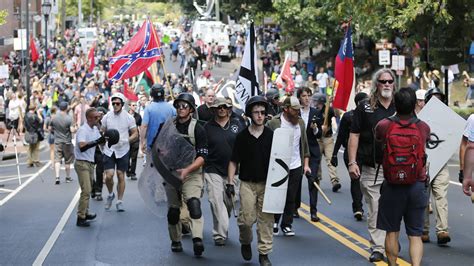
[
  {"x": 92, "y": 144},
  {"x": 461, "y": 176},
  {"x": 334, "y": 160},
  {"x": 101, "y": 140},
  {"x": 229, "y": 190}
]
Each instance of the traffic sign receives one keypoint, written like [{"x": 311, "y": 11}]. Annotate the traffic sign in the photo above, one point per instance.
[
  {"x": 384, "y": 57},
  {"x": 398, "y": 62}
]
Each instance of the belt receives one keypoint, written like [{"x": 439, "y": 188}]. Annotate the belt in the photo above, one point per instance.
[{"x": 85, "y": 161}]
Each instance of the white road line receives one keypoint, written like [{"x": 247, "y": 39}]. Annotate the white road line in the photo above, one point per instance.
[
  {"x": 13, "y": 177},
  {"x": 14, "y": 164},
  {"x": 57, "y": 231},
  {"x": 6, "y": 190},
  {"x": 11, "y": 195}
]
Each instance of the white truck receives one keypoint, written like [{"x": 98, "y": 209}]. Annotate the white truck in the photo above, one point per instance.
[{"x": 211, "y": 32}]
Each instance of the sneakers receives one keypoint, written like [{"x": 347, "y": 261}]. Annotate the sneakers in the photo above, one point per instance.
[
  {"x": 287, "y": 231},
  {"x": 133, "y": 177},
  {"x": 57, "y": 181},
  {"x": 198, "y": 247},
  {"x": 443, "y": 238},
  {"x": 91, "y": 216},
  {"x": 69, "y": 179},
  {"x": 376, "y": 256},
  {"x": 425, "y": 237},
  {"x": 98, "y": 196},
  {"x": 176, "y": 246},
  {"x": 264, "y": 261},
  {"x": 336, "y": 187},
  {"x": 108, "y": 204},
  {"x": 246, "y": 251},
  {"x": 119, "y": 206},
  {"x": 358, "y": 215},
  {"x": 275, "y": 229}
]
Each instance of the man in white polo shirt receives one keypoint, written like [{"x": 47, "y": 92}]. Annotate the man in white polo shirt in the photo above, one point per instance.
[
  {"x": 117, "y": 156},
  {"x": 87, "y": 137}
]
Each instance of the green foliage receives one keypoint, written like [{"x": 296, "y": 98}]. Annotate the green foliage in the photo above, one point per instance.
[
  {"x": 98, "y": 6},
  {"x": 158, "y": 11},
  {"x": 3, "y": 16},
  {"x": 463, "y": 112}
]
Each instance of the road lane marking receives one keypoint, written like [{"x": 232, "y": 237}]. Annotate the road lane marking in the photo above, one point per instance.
[
  {"x": 343, "y": 240},
  {"x": 17, "y": 190},
  {"x": 13, "y": 177},
  {"x": 57, "y": 231},
  {"x": 6, "y": 190}
]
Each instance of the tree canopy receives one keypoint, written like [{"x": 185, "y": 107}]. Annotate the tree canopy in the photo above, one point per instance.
[{"x": 3, "y": 16}]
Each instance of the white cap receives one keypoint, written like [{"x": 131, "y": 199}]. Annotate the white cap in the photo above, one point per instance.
[{"x": 420, "y": 94}]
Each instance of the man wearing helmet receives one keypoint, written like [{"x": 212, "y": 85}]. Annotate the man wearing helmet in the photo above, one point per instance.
[
  {"x": 191, "y": 176},
  {"x": 273, "y": 97},
  {"x": 117, "y": 156},
  {"x": 439, "y": 188},
  {"x": 251, "y": 152}
]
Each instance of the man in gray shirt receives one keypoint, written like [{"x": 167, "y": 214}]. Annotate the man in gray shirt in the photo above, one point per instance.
[{"x": 63, "y": 128}]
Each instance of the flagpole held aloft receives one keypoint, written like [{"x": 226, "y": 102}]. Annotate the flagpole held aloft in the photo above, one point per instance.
[{"x": 162, "y": 63}]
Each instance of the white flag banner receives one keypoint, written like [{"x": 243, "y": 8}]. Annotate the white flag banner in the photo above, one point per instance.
[
  {"x": 247, "y": 81},
  {"x": 446, "y": 132}
]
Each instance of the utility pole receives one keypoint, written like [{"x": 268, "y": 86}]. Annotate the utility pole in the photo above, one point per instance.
[
  {"x": 91, "y": 14},
  {"x": 79, "y": 13},
  {"x": 218, "y": 15},
  {"x": 27, "y": 71},
  {"x": 63, "y": 16}
]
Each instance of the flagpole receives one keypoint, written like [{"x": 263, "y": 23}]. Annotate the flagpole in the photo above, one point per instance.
[{"x": 162, "y": 62}]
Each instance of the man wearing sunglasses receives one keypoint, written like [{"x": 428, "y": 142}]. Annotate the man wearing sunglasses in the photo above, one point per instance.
[
  {"x": 191, "y": 176},
  {"x": 365, "y": 154},
  {"x": 221, "y": 132},
  {"x": 117, "y": 156}
]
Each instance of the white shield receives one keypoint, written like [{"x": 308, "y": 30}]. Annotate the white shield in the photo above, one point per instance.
[
  {"x": 446, "y": 132},
  {"x": 278, "y": 171}
]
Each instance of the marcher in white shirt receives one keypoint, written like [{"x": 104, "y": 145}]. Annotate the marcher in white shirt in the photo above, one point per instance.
[{"x": 117, "y": 156}]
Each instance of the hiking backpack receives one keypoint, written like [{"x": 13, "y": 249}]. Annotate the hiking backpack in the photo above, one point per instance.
[{"x": 404, "y": 154}]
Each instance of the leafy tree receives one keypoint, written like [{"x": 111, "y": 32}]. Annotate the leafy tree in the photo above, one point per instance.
[{"x": 3, "y": 16}]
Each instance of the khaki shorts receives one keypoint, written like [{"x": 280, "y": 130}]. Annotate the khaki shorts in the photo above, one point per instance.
[{"x": 64, "y": 150}]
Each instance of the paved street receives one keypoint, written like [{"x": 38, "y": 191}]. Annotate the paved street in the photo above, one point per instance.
[{"x": 37, "y": 224}]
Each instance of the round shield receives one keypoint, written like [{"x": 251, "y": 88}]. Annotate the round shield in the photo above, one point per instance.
[{"x": 112, "y": 136}]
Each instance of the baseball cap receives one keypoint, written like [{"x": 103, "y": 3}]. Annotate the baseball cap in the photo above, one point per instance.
[
  {"x": 219, "y": 101},
  {"x": 292, "y": 102},
  {"x": 420, "y": 94}
]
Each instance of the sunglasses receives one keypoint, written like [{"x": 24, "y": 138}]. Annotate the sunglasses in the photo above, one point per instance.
[
  {"x": 259, "y": 112},
  {"x": 116, "y": 103},
  {"x": 133, "y": 105},
  {"x": 385, "y": 81},
  {"x": 222, "y": 107},
  {"x": 182, "y": 106}
]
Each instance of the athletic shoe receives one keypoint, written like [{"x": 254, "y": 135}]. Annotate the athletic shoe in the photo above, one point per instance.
[
  {"x": 376, "y": 256},
  {"x": 275, "y": 229},
  {"x": 119, "y": 206},
  {"x": 358, "y": 215},
  {"x": 198, "y": 247},
  {"x": 264, "y": 261},
  {"x": 108, "y": 204},
  {"x": 287, "y": 231},
  {"x": 57, "y": 181},
  {"x": 176, "y": 246},
  {"x": 69, "y": 179},
  {"x": 91, "y": 216},
  {"x": 133, "y": 177},
  {"x": 443, "y": 238},
  {"x": 246, "y": 251}
]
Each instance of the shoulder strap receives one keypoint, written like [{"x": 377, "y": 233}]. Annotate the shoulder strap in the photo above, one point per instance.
[{"x": 191, "y": 127}]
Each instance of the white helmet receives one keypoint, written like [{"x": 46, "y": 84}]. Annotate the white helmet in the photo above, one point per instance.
[{"x": 120, "y": 96}]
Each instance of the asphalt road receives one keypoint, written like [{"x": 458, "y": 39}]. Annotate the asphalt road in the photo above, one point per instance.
[{"x": 37, "y": 224}]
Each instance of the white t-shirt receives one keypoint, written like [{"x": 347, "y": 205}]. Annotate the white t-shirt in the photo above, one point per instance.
[
  {"x": 123, "y": 122},
  {"x": 295, "y": 157},
  {"x": 322, "y": 79},
  {"x": 86, "y": 134},
  {"x": 14, "y": 106},
  {"x": 469, "y": 129}
]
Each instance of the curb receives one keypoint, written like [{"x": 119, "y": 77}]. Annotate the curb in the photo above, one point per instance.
[{"x": 11, "y": 156}]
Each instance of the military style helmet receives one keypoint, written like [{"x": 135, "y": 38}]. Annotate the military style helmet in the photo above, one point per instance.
[
  {"x": 185, "y": 97},
  {"x": 271, "y": 94},
  {"x": 120, "y": 96},
  {"x": 157, "y": 91},
  {"x": 112, "y": 136},
  {"x": 434, "y": 91},
  {"x": 253, "y": 101},
  {"x": 103, "y": 103},
  {"x": 319, "y": 97}
]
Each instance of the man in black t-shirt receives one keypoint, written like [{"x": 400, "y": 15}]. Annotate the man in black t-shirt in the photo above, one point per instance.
[
  {"x": 221, "y": 133},
  {"x": 365, "y": 155},
  {"x": 204, "y": 111},
  {"x": 252, "y": 152}
]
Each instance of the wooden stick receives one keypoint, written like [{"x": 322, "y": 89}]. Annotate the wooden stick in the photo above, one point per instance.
[
  {"x": 472, "y": 198},
  {"x": 162, "y": 62},
  {"x": 322, "y": 193}
]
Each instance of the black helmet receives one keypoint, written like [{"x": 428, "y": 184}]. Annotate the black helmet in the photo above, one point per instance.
[
  {"x": 185, "y": 97},
  {"x": 319, "y": 98},
  {"x": 157, "y": 91},
  {"x": 112, "y": 136},
  {"x": 253, "y": 101},
  {"x": 103, "y": 103},
  {"x": 360, "y": 96},
  {"x": 271, "y": 94},
  {"x": 434, "y": 91}
]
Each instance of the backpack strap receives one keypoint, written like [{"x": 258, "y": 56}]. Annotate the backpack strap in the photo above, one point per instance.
[
  {"x": 396, "y": 119},
  {"x": 191, "y": 127}
]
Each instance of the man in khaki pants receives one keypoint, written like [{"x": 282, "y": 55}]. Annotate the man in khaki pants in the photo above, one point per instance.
[
  {"x": 191, "y": 176},
  {"x": 252, "y": 152},
  {"x": 87, "y": 138}
]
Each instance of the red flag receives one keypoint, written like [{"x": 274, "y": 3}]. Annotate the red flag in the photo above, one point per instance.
[
  {"x": 285, "y": 76},
  {"x": 91, "y": 58},
  {"x": 128, "y": 92},
  {"x": 137, "y": 55},
  {"x": 34, "y": 51},
  {"x": 344, "y": 72},
  {"x": 149, "y": 76}
]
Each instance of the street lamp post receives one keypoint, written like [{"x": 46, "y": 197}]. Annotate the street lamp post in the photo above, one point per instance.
[{"x": 46, "y": 10}]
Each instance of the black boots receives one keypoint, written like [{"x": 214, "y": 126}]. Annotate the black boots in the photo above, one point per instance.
[
  {"x": 264, "y": 261},
  {"x": 198, "y": 247}
]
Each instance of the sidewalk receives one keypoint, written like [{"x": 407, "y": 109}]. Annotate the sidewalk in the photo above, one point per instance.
[{"x": 9, "y": 152}]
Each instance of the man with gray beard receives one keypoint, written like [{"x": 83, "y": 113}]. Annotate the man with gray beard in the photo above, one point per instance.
[{"x": 365, "y": 154}]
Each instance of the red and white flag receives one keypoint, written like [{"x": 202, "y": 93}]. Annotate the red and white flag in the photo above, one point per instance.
[
  {"x": 91, "y": 58},
  {"x": 285, "y": 77},
  {"x": 33, "y": 50},
  {"x": 128, "y": 92}
]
